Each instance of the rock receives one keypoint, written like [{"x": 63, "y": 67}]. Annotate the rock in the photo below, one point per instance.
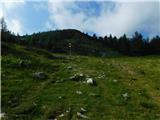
[
  {"x": 2, "y": 115},
  {"x": 35, "y": 104},
  {"x": 125, "y": 96},
  {"x": 69, "y": 110},
  {"x": 69, "y": 67},
  {"x": 81, "y": 115},
  {"x": 61, "y": 115},
  {"x": 115, "y": 81},
  {"x": 79, "y": 92},
  {"x": 83, "y": 110},
  {"x": 78, "y": 77},
  {"x": 40, "y": 75},
  {"x": 90, "y": 81},
  {"x": 61, "y": 97}
]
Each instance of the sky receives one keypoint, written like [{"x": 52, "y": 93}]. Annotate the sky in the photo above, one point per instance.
[{"x": 114, "y": 17}]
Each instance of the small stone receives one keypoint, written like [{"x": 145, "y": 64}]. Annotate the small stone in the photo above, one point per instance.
[
  {"x": 115, "y": 81},
  {"x": 69, "y": 67},
  {"x": 79, "y": 92},
  {"x": 34, "y": 104},
  {"x": 125, "y": 96},
  {"x": 90, "y": 81},
  {"x": 83, "y": 110},
  {"x": 40, "y": 75},
  {"x": 69, "y": 109},
  {"x": 81, "y": 115},
  {"x": 2, "y": 115},
  {"x": 61, "y": 115},
  {"x": 60, "y": 97},
  {"x": 78, "y": 77}
]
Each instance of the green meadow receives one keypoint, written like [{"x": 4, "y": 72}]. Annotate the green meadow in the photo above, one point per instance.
[{"x": 127, "y": 88}]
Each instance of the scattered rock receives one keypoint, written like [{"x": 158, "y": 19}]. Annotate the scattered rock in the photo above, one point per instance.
[
  {"x": 83, "y": 110},
  {"x": 69, "y": 67},
  {"x": 78, "y": 77},
  {"x": 35, "y": 104},
  {"x": 125, "y": 96},
  {"x": 2, "y": 115},
  {"x": 61, "y": 115},
  {"x": 69, "y": 110},
  {"x": 115, "y": 81},
  {"x": 40, "y": 75},
  {"x": 61, "y": 97},
  {"x": 90, "y": 81},
  {"x": 81, "y": 115},
  {"x": 78, "y": 92}
]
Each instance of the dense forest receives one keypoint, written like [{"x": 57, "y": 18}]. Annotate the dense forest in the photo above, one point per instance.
[{"x": 63, "y": 41}]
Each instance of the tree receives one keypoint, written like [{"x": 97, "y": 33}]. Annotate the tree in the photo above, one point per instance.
[
  {"x": 137, "y": 44},
  {"x": 155, "y": 45},
  {"x": 3, "y": 25},
  {"x": 123, "y": 44}
]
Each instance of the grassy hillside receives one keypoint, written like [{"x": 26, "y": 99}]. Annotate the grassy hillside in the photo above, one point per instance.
[{"x": 127, "y": 88}]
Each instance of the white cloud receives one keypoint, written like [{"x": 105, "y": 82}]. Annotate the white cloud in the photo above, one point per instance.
[
  {"x": 11, "y": 4},
  {"x": 126, "y": 18},
  {"x": 15, "y": 26},
  {"x": 8, "y": 9},
  {"x": 62, "y": 17}
]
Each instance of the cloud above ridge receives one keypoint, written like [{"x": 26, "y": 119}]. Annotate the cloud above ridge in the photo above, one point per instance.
[{"x": 114, "y": 18}]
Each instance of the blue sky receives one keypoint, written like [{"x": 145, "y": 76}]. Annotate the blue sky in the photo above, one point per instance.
[{"x": 100, "y": 17}]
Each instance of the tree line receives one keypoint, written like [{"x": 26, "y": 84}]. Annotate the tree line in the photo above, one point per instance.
[{"x": 82, "y": 43}]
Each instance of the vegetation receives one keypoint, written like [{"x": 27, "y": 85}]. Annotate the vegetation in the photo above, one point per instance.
[
  {"x": 58, "y": 41},
  {"x": 41, "y": 79},
  {"x": 127, "y": 87}
]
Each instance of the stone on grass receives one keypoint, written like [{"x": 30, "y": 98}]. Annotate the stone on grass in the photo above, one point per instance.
[
  {"x": 2, "y": 115},
  {"x": 90, "y": 81},
  {"x": 81, "y": 115},
  {"x": 40, "y": 75},
  {"x": 61, "y": 115},
  {"x": 83, "y": 110},
  {"x": 115, "y": 81},
  {"x": 69, "y": 67},
  {"x": 69, "y": 110},
  {"x": 61, "y": 97},
  {"x": 78, "y": 92},
  {"x": 78, "y": 77},
  {"x": 125, "y": 96}
]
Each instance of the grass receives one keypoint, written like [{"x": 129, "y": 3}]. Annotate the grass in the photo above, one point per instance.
[{"x": 26, "y": 98}]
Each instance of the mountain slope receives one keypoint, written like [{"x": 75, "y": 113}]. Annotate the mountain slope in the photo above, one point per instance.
[
  {"x": 126, "y": 87},
  {"x": 59, "y": 40}
]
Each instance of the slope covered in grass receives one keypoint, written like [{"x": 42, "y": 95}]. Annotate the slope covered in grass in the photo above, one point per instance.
[{"x": 127, "y": 87}]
